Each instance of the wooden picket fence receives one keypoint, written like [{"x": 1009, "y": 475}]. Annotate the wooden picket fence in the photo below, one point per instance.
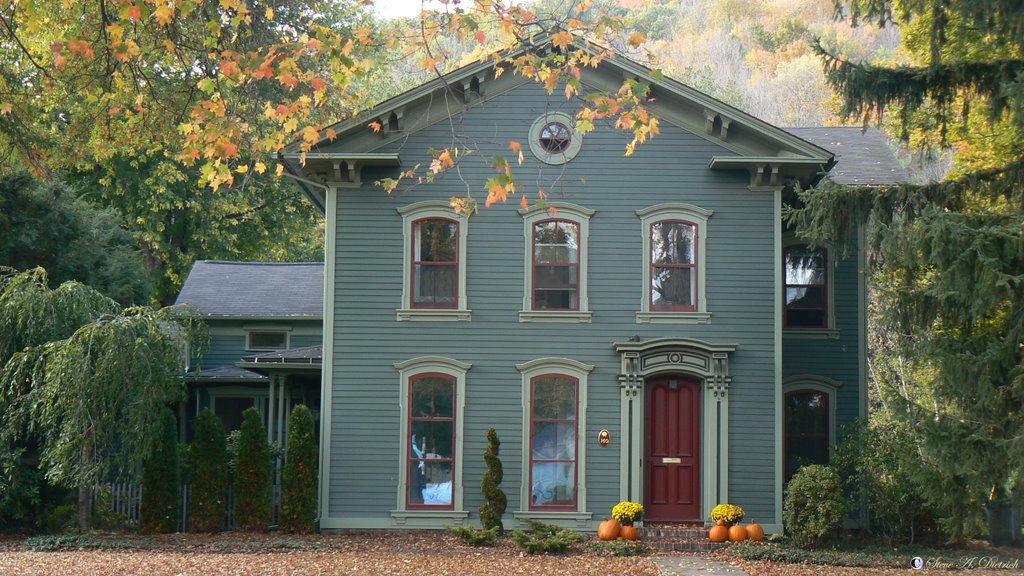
[{"x": 126, "y": 503}]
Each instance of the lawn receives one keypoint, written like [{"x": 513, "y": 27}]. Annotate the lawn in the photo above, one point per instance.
[{"x": 372, "y": 554}]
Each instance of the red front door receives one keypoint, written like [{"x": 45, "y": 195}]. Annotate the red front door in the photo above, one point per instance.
[{"x": 672, "y": 481}]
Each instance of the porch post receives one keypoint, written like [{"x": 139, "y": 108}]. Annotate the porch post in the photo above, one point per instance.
[{"x": 270, "y": 410}]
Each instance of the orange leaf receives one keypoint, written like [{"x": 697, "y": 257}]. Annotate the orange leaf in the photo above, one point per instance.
[
  {"x": 636, "y": 39},
  {"x": 561, "y": 39},
  {"x": 480, "y": 36},
  {"x": 376, "y": 126},
  {"x": 331, "y": 134},
  {"x": 135, "y": 13},
  {"x": 6, "y": 108},
  {"x": 524, "y": 203},
  {"x": 515, "y": 146}
]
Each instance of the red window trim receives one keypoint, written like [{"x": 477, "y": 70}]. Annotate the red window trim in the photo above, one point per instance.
[
  {"x": 412, "y": 461},
  {"x": 576, "y": 451},
  {"x": 533, "y": 262},
  {"x": 414, "y": 262},
  {"x": 785, "y": 430},
  {"x": 786, "y": 286},
  {"x": 651, "y": 266}
]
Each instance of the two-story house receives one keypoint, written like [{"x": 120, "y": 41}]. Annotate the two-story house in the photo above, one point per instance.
[{"x": 659, "y": 336}]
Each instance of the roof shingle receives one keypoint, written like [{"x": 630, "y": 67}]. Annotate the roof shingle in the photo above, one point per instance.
[
  {"x": 862, "y": 157},
  {"x": 255, "y": 289}
]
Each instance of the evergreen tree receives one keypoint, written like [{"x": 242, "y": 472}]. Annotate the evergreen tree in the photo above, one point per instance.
[
  {"x": 161, "y": 481},
  {"x": 208, "y": 506},
  {"x": 948, "y": 257},
  {"x": 253, "y": 475},
  {"x": 494, "y": 498},
  {"x": 298, "y": 482}
]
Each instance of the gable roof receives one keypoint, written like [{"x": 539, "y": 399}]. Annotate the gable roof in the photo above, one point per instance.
[
  {"x": 244, "y": 290},
  {"x": 772, "y": 156},
  {"x": 863, "y": 157}
]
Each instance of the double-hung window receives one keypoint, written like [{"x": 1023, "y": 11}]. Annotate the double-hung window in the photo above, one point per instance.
[
  {"x": 808, "y": 309},
  {"x": 432, "y": 392},
  {"x": 554, "y": 484},
  {"x": 674, "y": 269},
  {"x": 434, "y": 286},
  {"x": 555, "y": 288}
]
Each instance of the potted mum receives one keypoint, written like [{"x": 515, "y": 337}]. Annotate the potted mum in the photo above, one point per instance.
[{"x": 627, "y": 513}]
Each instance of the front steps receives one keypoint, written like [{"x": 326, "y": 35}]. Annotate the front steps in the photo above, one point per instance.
[{"x": 677, "y": 538}]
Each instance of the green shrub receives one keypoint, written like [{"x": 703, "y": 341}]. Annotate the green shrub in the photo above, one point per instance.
[
  {"x": 815, "y": 506},
  {"x": 82, "y": 542},
  {"x": 208, "y": 505},
  {"x": 253, "y": 475},
  {"x": 63, "y": 518},
  {"x": 882, "y": 466},
  {"x": 161, "y": 481},
  {"x": 619, "y": 548},
  {"x": 543, "y": 538},
  {"x": 495, "y": 501},
  {"x": 475, "y": 536},
  {"x": 103, "y": 514},
  {"x": 298, "y": 479}
]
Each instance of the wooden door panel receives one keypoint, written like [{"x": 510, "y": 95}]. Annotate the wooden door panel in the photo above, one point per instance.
[{"x": 673, "y": 450}]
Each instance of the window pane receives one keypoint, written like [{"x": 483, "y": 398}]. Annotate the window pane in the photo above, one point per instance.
[
  {"x": 432, "y": 439},
  {"x": 230, "y": 411},
  {"x": 805, "y": 266},
  {"x": 554, "y": 441},
  {"x": 554, "y": 398},
  {"x": 436, "y": 240},
  {"x": 554, "y": 483},
  {"x": 268, "y": 340},
  {"x": 547, "y": 299},
  {"x": 672, "y": 287},
  {"x": 430, "y": 483},
  {"x": 559, "y": 277},
  {"x": 672, "y": 243},
  {"x": 435, "y": 284},
  {"x": 807, "y": 413},
  {"x": 804, "y": 451},
  {"x": 556, "y": 242},
  {"x": 432, "y": 397},
  {"x": 805, "y": 297}
]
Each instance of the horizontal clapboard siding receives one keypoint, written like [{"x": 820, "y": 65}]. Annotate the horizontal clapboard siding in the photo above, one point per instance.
[{"x": 365, "y": 443}]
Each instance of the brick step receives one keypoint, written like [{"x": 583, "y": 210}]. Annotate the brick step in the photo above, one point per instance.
[{"x": 656, "y": 532}]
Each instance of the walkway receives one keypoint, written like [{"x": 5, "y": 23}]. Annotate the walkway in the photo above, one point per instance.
[{"x": 695, "y": 566}]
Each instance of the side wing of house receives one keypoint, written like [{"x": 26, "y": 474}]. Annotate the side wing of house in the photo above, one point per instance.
[
  {"x": 626, "y": 345},
  {"x": 263, "y": 351}
]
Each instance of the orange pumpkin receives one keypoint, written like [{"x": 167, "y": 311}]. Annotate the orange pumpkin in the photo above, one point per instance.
[
  {"x": 608, "y": 529},
  {"x": 719, "y": 533},
  {"x": 737, "y": 533},
  {"x": 755, "y": 532},
  {"x": 628, "y": 532}
]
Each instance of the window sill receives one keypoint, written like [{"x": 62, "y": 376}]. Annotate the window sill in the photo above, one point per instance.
[
  {"x": 427, "y": 518},
  {"x": 555, "y": 316},
  {"x": 673, "y": 317},
  {"x": 811, "y": 333},
  {"x": 564, "y": 519},
  {"x": 432, "y": 315}
]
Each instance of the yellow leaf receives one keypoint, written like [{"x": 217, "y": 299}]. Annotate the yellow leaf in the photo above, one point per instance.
[
  {"x": 260, "y": 167},
  {"x": 280, "y": 169},
  {"x": 6, "y": 108},
  {"x": 164, "y": 14},
  {"x": 269, "y": 14},
  {"x": 242, "y": 169},
  {"x": 169, "y": 46},
  {"x": 331, "y": 134}
]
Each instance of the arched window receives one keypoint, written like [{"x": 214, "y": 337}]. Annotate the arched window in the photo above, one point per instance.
[
  {"x": 555, "y": 289},
  {"x": 434, "y": 262},
  {"x": 674, "y": 244},
  {"x": 809, "y": 403}
]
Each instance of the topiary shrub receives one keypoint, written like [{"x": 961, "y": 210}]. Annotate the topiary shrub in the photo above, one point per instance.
[
  {"x": 475, "y": 536},
  {"x": 161, "y": 481},
  {"x": 543, "y": 538},
  {"x": 253, "y": 475},
  {"x": 298, "y": 480},
  {"x": 815, "y": 506},
  {"x": 494, "y": 498},
  {"x": 208, "y": 506}
]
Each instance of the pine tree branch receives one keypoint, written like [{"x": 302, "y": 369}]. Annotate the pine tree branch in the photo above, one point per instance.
[{"x": 867, "y": 90}]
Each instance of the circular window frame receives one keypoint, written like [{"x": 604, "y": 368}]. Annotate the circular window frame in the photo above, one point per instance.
[{"x": 554, "y": 158}]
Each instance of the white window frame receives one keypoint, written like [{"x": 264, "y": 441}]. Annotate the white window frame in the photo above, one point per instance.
[
  {"x": 579, "y": 371},
  {"x": 420, "y": 518},
  {"x": 699, "y": 217},
  {"x": 829, "y": 332},
  {"x": 571, "y": 213},
  {"x": 420, "y": 211},
  {"x": 250, "y": 347}
]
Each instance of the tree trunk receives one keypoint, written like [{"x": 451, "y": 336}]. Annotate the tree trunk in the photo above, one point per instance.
[
  {"x": 84, "y": 490},
  {"x": 1000, "y": 520}
]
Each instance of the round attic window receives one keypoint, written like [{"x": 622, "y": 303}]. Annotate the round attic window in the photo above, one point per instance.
[{"x": 553, "y": 140}]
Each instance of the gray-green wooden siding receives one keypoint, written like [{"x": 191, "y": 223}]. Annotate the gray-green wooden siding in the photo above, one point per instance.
[{"x": 365, "y": 443}]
